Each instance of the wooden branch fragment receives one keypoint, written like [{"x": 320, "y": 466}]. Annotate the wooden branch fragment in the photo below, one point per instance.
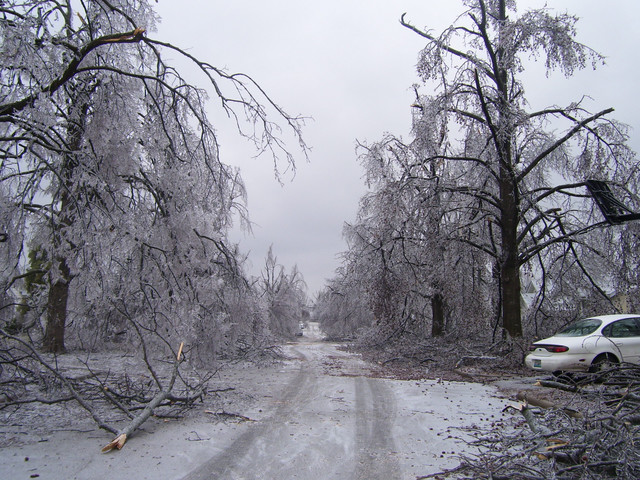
[
  {"x": 532, "y": 421},
  {"x": 120, "y": 440},
  {"x": 556, "y": 443},
  {"x": 535, "y": 401},
  {"x": 546, "y": 404},
  {"x": 232, "y": 415},
  {"x": 133, "y": 36},
  {"x": 559, "y": 385}
]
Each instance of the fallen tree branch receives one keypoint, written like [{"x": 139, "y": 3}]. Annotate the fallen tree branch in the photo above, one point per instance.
[
  {"x": 559, "y": 385},
  {"x": 120, "y": 440},
  {"x": 83, "y": 403},
  {"x": 46, "y": 401},
  {"x": 600, "y": 442},
  {"x": 546, "y": 404},
  {"x": 106, "y": 392},
  {"x": 533, "y": 423}
]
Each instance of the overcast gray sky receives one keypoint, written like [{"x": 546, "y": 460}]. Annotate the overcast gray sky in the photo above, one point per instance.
[{"x": 350, "y": 66}]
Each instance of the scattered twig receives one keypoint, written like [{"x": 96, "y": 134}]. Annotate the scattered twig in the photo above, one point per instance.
[
  {"x": 559, "y": 385},
  {"x": 232, "y": 415},
  {"x": 598, "y": 442}
]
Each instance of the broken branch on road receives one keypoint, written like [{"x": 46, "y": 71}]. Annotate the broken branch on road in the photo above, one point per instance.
[
  {"x": 120, "y": 440},
  {"x": 593, "y": 435},
  {"x": 107, "y": 393}
]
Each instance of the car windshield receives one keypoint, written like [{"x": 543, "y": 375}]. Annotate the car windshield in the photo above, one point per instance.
[{"x": 580, "y": 328}]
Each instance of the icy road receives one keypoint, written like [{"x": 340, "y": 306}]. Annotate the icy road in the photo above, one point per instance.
[
  {"x": 322, "y": 414},
  {"x": 330, "y": 418}
]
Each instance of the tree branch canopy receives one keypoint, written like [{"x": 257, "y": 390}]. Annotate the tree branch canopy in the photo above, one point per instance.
[
  {"x": 133, "y": 36},
  {"x": 486, "y": 194},
  {"x": 568, "y": 136}
]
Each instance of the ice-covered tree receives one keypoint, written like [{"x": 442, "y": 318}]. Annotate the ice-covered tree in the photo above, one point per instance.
[
  {"x": 341, "y": 308},
  {"x": 413, "y": 277},
  {"x": 109, "y": 163},
  {"x": 284, "y": 296},
  {"x": 516, "y": 175}
]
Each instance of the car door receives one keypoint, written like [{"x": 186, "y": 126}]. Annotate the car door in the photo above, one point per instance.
[{"x": 625, "y": 334}]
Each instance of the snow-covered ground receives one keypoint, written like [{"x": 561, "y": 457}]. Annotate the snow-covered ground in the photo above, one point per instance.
[{"x": 323, "y": 413}]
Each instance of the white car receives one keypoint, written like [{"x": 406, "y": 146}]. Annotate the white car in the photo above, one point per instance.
[{"x": 586, "y": 344}]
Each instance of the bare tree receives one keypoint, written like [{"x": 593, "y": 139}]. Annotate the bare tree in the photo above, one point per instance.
[
  {"x": 501, "y": 156},
  {"x": 284, "y": 296},
  {"x": 401, "y": 241},
  {"x": 109, "y": 162}
]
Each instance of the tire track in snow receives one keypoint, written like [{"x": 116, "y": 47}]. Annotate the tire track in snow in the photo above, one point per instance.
[
  {"x": 226, "y": 464},
  {"x": 375, "y": 448}
]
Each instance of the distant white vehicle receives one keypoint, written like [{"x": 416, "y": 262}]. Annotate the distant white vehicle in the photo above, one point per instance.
[{"x": 586, "y": 344}]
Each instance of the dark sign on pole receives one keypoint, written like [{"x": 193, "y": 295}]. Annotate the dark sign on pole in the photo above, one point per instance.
[{"x": 614, "y": 211}]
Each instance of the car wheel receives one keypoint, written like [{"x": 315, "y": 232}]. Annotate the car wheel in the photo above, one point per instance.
[{"x": 602, "y": 362}]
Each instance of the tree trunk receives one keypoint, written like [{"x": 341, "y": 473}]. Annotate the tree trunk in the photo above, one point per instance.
[
  {"x": 437, "y": 299},
  {"x": 59, "y": 289},
  {"x": 57, "y": 311},
  {"x": 509, "y": 264},
  {"x": 509, "y": 199},
  {"x": 511, "y": 312},
  {"x": 437, "y": 313}
]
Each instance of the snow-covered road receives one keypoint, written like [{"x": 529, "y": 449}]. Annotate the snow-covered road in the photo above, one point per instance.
[
  {"x": 322, "y": 414},
  {"x": 333, "y": 420}
]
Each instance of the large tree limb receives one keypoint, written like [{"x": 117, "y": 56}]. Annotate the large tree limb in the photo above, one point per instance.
[
  {"x": 120, "y": 440},
  {"x": 72, "y": 68},
  {"x": 531, "y": 251},
  {"x": 579, "y": 126},
  {"x": 458, "y": 53},
  {"x": 65, "y": 381}
]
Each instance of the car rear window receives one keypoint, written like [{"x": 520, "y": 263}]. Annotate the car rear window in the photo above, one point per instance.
[{"x": 580, "y": 328}]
